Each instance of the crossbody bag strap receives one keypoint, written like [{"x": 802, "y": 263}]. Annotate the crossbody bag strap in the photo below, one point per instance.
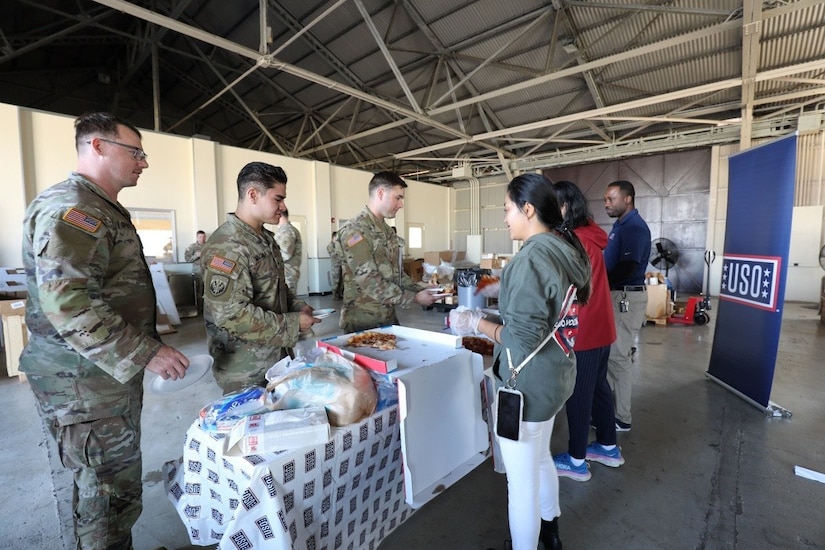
[{"x": 569, "y": 298}]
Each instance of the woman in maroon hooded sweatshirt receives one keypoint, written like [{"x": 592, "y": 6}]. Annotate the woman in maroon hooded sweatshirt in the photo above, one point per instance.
[{"x": 592, "y": 400}]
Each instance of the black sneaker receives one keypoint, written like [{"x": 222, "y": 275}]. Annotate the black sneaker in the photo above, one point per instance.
[{"x": 622, "y": 427}]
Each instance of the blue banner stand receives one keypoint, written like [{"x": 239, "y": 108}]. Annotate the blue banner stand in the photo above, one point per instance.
[{"x": 754, "y": 272}]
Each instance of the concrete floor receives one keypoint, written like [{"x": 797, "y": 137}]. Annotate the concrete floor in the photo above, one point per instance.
[{"x": 704, "y": 468}]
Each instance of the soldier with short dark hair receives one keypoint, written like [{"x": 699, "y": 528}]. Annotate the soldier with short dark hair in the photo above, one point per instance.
[
  {"x": 252, "y": 319},
  {"x": 372, "y": 270},
  {"x": 91, "y": 311}
]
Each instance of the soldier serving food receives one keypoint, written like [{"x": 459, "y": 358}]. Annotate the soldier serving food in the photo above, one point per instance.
[{"x": 373, "y": 276}]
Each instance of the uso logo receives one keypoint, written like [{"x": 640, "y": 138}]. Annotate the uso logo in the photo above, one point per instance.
[{"x": 751, "y": 280}]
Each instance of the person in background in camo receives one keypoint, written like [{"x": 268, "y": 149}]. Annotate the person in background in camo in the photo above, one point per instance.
[
  {"x": 193, "y": 252},
  {"x": 252, "y": 319},
  {"x": 91, "y": 313},
  {"x": 289, "y": 241},
  {"x": 374, "y": 278},
  {"x": 335, "y": 269}
]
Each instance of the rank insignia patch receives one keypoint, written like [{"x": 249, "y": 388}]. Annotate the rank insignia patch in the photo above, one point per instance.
[
  {"x": 222, "y": 264},
  {"x": 82, "y": 220}
]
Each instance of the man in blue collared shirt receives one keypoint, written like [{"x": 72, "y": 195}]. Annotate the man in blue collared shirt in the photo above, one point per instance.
[{"x": 625, "y": 258}]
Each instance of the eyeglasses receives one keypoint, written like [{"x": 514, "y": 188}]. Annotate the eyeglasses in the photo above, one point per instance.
[{"x": 137, "y": 152}]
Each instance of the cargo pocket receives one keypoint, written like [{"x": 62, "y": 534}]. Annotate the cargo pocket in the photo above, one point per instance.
[{"x": 97, "y": 437}]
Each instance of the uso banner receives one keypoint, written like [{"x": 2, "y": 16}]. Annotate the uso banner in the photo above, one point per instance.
[{"x": 754, "y": 268}]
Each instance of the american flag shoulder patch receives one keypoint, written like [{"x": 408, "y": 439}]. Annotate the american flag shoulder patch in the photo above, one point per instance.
[
  {"x": 222, "y": 264},
  {"x": 355, "y": 239},
  {"x": 82, "y": 220}
]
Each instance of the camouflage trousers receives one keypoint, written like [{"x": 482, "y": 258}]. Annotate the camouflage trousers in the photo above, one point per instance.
[
  {"x": 96, "y": 424},
  {"x": 240, "y": 364},
  {"x": 356, "y": 320}
]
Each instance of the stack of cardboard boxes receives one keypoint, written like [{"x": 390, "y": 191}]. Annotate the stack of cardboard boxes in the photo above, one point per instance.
[
  {"x": 659, "y": 305},
  {"x": 12, "y": 315},
  {"x": 447, "y": 256},
  {"x": 493, "y": 261}
]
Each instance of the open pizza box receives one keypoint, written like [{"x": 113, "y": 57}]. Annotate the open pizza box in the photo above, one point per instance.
[
  {"x": 414, "y": 347},
  {"x": 441, "y": 403}
]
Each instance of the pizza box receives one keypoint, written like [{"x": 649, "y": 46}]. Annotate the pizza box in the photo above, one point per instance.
[
  {"x": 278, "y": 431},
  {"x": 444, "y": 435},
  {"x": 414, "y": 347}
]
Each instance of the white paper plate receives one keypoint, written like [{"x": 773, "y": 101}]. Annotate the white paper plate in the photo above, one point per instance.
[
  {"x": 442, "y": 294},
  {"x": 436, "y": 290},
  {"x": 198, "y": 366},
  {"x": 322, "y": 313}
]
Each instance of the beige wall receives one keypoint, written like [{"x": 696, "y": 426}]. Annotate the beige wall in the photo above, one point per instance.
[
  {"x": 196, "y": 178},
  {"x": 14, "y": 190},
  {"x": 424, "y": 203}
]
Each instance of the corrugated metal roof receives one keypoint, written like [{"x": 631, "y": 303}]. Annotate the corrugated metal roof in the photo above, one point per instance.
[{"x": 547, "y": 80}]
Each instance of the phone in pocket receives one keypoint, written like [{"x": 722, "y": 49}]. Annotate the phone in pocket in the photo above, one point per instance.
[{"x": 509, "y": 412}]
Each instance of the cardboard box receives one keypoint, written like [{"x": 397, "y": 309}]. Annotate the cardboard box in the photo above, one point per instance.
[
  {"x": 658, "y": 303},
  {"x": 490, "y": 263},
  {"x": 15, "y": 332},
  {"x": 414, "y": 268},
  {"x": 12, "y": 283},
  {"x": 448, "y": 256},
  {"x": 386, "y": 361},
  {"x": 440, "y": 408},
  {"x": 278, "y": 431}
]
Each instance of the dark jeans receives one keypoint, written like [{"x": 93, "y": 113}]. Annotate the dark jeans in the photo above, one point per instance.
[{"x": 592, "y": 401}]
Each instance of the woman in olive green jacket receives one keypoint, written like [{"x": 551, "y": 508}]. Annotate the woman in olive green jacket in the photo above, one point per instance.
[{"x": 534, "y": 299}]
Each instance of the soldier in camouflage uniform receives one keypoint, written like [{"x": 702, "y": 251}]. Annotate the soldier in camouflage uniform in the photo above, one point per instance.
[
  {"x": 91, "y": 313},
  {"x": 289, "y": 241},
  {"x": 252, "y": 319},
  {"x": 374, "y": 278},
  {"x": 193, "y": 251},
  {"x": 335, "y": 270}
]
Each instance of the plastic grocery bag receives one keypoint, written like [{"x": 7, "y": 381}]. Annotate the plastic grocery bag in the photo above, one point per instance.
[
  {"x": 346, "y": 390},
  {"x": 222, "y": 414}
]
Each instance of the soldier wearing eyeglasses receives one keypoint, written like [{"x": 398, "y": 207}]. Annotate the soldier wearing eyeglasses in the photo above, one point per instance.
[{"x": 91, "y": 312}]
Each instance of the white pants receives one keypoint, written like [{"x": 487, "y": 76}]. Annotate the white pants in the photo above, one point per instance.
[{"x": 532, "y": 482}]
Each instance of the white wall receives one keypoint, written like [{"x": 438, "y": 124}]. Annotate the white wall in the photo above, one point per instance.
[{"x": 196, "y": 178}]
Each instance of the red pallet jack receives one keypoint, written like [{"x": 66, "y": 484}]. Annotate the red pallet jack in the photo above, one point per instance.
[
  {"x": 697, "y": 306},
  {"x": 694, "y": 313}
]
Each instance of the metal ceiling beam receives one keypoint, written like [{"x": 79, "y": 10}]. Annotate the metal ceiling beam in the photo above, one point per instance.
[
  {"x": 52, "y": 37},
  {"x": 652, "y": 144},
  {"x": 590, "y": 65},
  {"x": 643, "y": 50},
  {"x": 336, "y": 64},
  {"x": 440, "y": 49},
  {"x": 365, "y": 15},
  {"x": 648, "y": 7},
  {"x": 324, "y": 123},
  {"x": 243, "y": 104},
  {"x": 751, "y": 31},
  {"x": 662, "y": 98},
  {"x": 494, "y": 55},
  {"x": 636, "y": 52},
  {"x": 149, "y": 46}
]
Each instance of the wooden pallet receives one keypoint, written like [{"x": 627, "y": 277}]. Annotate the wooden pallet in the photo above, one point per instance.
[{"x": 660, "y": 321}]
